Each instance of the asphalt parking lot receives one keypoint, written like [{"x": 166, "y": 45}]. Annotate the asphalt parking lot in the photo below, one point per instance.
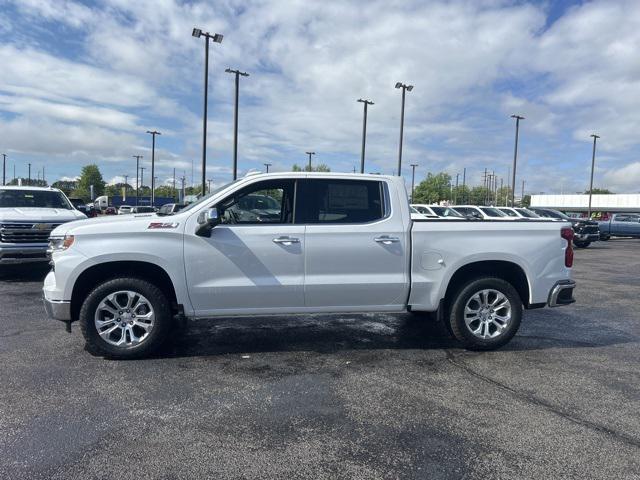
[{"x": 357, "y": 396}]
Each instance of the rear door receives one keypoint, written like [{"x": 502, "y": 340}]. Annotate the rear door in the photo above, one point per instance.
[{"x": 356, "y": 247}]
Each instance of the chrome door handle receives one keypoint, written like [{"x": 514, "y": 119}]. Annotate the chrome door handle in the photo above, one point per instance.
[
  {"x": 386, "y": 239},
  {"x": 286, "y": 240}
]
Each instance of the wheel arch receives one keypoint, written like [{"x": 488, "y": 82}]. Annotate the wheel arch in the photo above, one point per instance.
[
  {"x": 504, "y": 269},
  {"x": 101, "y": 272}
]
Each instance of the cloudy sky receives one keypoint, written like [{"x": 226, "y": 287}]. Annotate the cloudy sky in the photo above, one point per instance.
[{"x": 81, "y": 82}]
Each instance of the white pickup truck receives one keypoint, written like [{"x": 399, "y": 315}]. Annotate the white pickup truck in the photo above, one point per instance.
[
  {"x": 301, "y": 243},
  {"x": 27, "y": 217}
]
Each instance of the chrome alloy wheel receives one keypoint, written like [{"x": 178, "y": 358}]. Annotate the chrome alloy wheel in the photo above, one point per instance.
[
  {"x": 487, "y": 313},
  {"x": 124, "y": 318}
]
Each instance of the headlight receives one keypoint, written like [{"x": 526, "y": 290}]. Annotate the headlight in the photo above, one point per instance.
[{"x": 58, "y": 244}]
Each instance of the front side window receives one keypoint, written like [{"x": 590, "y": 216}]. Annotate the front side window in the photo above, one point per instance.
[
  {"x": 470, "y": 212},
  {"x": 509, "y": 213},
  {"x": 260, "y": 203},
  {"x": 33, "y": 198},
  {"x": 341, "y": 201},
  {"x": 493, "y": 212}
]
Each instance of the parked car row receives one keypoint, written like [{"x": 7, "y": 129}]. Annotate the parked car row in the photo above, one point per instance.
[{"x": 585, "y": 231}]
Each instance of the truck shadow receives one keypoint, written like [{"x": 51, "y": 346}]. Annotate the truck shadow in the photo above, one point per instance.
[
  {"x": 335, "y": 333},
  {"x": 30, "y": 272}
]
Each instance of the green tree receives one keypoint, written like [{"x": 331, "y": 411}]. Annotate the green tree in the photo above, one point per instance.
[
  {"x": 435, "y": 188},
  {"x": 166, "y": 191},
  {"x": 599, "y": 191},
  {"x": 90, "y": 175},
  {"x": 116, "y": 190},
  {"x": 526, "y": 201},
  {"x": 321, "y": 167}
]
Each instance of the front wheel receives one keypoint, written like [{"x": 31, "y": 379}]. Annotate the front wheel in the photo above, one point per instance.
[
  {"x": 485, "y": 313},
  {"x": 125, "y": 318},
  {"x": 581, "y": 243}
]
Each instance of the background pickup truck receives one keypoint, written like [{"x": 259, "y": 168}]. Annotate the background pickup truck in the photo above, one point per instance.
[
  {"x": 620, "y": 225},
  {"x": 326, "y": 243},
  {"x": 27, "y": 216}
]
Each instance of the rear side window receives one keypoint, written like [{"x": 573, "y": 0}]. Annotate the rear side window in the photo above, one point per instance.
[{"x": 340, "y": 201}]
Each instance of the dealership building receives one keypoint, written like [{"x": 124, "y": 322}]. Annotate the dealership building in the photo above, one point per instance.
[{"x": 580, "y": 203}]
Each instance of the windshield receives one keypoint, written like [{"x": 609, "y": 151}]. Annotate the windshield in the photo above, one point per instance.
[
  {"x": 34, "y": 199},
  {"x": 553, "y": 214},
  {"x": 509, "y": 212},
  {"x": 493, "y": 212},
  {"x": 446, "y": 212},
  {"x": 207, "y": 197},
  {"x": 527, "y": 213}
]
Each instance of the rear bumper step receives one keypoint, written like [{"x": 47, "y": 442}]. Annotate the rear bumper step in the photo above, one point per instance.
[{"x": 562, "y": 293}]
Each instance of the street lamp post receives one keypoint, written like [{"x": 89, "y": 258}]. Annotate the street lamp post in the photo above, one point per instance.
[
  {"x": 237, "y": 74},
  {"x": 142, "y": 169},
  {"x": 455, "y": 195},
  {"x": 364, "y": 131},
  {"x": 4, "y": 169},
  {"x": 593, "y": 163},
  {"x": 209, "y": 186},
  {"x": 29, "y": 174},
  {"x": 267, "y": 165},
  {"x": 405, "y": 89},
  {"x": 310, "y": 153},
  {"x": 126, "y": 178},
  {"x": 464, "y": 184},
  {"x": 217, "y": 38},
  {"x": 515, "y": 159},
  {"x": 413, "y": 178},
  {"x": 153, "y": 165},
  {"x": 137, "y": 157}
]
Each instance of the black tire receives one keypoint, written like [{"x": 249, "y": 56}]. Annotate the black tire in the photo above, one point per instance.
[
  {"x": 581, "y": 244},
  {"x": 463, "y": 334},
  {"x": 156, "y": 337}
]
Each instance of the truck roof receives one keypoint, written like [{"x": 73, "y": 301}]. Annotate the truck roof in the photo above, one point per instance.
[
  {"x": 355, "y": 176},
  {"x": 15, "y": 187}
]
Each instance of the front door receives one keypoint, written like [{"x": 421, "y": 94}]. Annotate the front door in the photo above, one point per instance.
[
  {"x": 356, "y": 251},
  {"x": 253, "y": 260}
]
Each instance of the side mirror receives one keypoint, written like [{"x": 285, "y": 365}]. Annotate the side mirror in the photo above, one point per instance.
[{"x": 207, "y": 220}]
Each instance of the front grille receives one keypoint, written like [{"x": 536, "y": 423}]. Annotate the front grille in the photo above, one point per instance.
[
  {"x": 590, "y": 229},
  {"x": 26, "y": 232}
]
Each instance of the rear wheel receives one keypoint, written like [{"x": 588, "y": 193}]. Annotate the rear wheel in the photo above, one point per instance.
[
  {"x": 125, "y": 318},
  {"x": 581, "y": 243},
  {"x": 485, "y": 313}
]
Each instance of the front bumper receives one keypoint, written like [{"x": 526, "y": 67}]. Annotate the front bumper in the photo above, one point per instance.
[
  {"x": 562, "y": 293},
  {"x": 14, "y": 254},
  {"x": 58, "y": 309},
  {"x": 587, "y": 237}
]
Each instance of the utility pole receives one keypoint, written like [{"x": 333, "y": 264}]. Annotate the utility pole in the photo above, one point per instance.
[
  {"x": 173, "y": 190},
  {"x": 217, "y": 38},
  {"x": 4, "y": 168},
  {"x": 153, "y": 162},
  {"x": 455, "y": 195},
  {"x": 413, "y": 178},
  {"x": 515, "y": 158},
  {"x": 237, "y": 73},
  {"x": 142, "y": 176},
  {"x": 137, "y": 157},
  {"x": 593, "y": 163},
  {"x": 29, "y": 174},
  {"x": 364, "y": 131},
  {"x": 310, "y": 153},
  {"x": 404, "y": 88},
  {"x": 501, "y": 190},
  {"x": 267, "y": 165},
  {"x": 126, "y": 178},
  {"x": 464, "y": 184},
  {"x": 209, "y": 186}
]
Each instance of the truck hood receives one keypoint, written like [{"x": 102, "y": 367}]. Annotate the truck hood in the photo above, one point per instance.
[
  {"x": 33, "y": 214},
  {"x": 107, "y": 224}
]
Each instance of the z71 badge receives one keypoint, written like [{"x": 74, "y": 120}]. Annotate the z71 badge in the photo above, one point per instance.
[{"x": 156, "y": 225}]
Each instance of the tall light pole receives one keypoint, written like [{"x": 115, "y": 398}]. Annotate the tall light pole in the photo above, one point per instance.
[
  {"x": 142, "y": 176},
  {"x": 464, "y": 184},
  {"x": 310, "y": 153},
  {"x": 455, "y": 195},
  {"x": 29, "y": 174},
  {"x": 209, "y": 185},
  {"x": 173, "y": 190},
  {"x": 593, "y": 163},
  {"x": 364, "y": 131},
  {"x": 217, "y": 38},
  {"x": 4, "y": 169},
  {"x": 267, "y": 165},
  {"x": 405, "y": 89},
  {"x": 413, "y": 178},
  {"x": 237, "y": 74},
  {"x": 126, "y": 178},
  {"x": 153, "y": 165},
  {"x": 515, "y": 159},
  {"x": 137, "y": 157}
]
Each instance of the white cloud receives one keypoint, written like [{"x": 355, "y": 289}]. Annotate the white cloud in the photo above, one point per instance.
[{"x": 624, "y": 179}]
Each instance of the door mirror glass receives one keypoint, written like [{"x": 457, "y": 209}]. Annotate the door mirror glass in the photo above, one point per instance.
[{"x": 207, "y": 220}]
